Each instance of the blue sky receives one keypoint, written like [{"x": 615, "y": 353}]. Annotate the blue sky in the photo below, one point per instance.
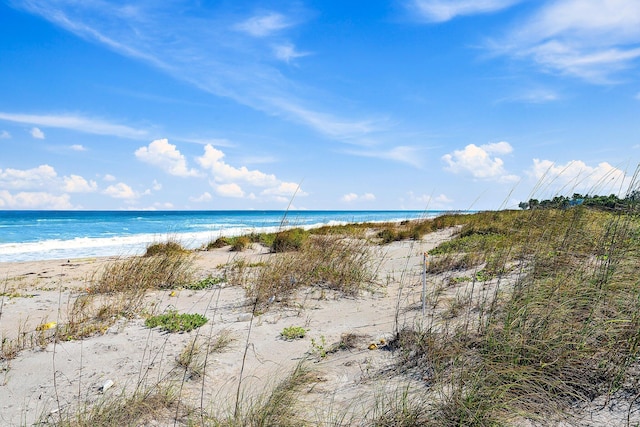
[{"x": 397, "y": 104}]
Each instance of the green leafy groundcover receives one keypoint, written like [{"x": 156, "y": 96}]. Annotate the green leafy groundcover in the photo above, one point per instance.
[{"x": 173, "y": 321}]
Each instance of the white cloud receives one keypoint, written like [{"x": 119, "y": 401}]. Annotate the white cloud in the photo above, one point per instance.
[
  {"x": 37, "y": 133},
  {"x": 481, "y": 161},
  {"x": 591, "y": 39},
  {"x": 44, "y": 176},
  {"x": 77, "y": 184},
  {"x": 229, "y": 190},
  {"x": 263, "y": 25},
  {"x": 77, "y": 147},
  {"x": 353, "y": 197},
  {"x": 121, "y": 191},
  {"x": 34, "y": 200},
  {"x": 212, "y": 161},
  {"x": 445, "y": 10},
  {"x": 76, "y": 123},
  {"x": 287, "y": 52},
  {"x": 204, "y": 197},
  {"x": 156, "y": 186},
  {"x": 5, "y": 135},
  {"x": 164, "y": 155},
  {"x": 44, "y": 179},
  {"x": 109, "y": 178},
  {"x": 578, "y": 177},
  {"x": 226, "y": 178}
]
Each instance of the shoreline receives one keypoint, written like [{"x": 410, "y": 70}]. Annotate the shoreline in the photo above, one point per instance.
[{"x": 121, "y": 246}]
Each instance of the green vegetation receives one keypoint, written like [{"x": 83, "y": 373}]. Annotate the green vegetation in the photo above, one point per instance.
[
  {"x": 206, "y": 283},
  {"x": 293, "y": 333},
  {"x": 598, "y": 202},
  {"x": 289, "y": 240},
  {"x": 173, "y": 321}
]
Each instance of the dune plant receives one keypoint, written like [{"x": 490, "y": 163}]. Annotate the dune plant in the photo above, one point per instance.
[
  {"x": 173, "y": 321},
  {"x": 337, "y": 263},
  {"x": 561, "y": 330}
]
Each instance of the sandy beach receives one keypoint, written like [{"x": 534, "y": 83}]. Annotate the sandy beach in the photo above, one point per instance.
[
  {"x": 42, "y": 381},
  {"x": 239, "y": 358}
]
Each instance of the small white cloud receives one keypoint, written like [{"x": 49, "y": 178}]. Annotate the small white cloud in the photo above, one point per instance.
[
  {"x": 37, "y": 133},
  {"x": 353, "y": 197},
  {"x": 156, "y": 185},
  {"x": 481, "y": 161},
  {"x": 263, "y": 25},
  {"x": 229, "y": 190},
  {"x": 109, "y": 178},
  {"x": 204, "y": 197},
  {"x": 287, "y": 52},
  {"x": 120, "y": 191},
  {"x": 445, "y": 10},
  {"x": 167, "y": 157},
  {"x": 5, "y": 135},
  {"x": 77, "y": 147},
  {"x": 77, "y": 184}
]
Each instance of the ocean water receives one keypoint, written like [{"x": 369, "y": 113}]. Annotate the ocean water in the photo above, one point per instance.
[{"x": 42, "y": 235}]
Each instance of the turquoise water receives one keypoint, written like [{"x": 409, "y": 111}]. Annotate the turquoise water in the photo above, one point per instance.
[{"x": 40, "y": 235}]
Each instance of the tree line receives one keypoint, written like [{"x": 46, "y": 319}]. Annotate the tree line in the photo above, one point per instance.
[{"x": 599, "y": 202}]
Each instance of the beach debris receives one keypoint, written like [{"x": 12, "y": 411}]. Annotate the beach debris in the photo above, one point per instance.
[
  {"x": 46, "y": 326},
  {"x": 106, "y": 386},
  {"x": 244, "y": 317},
  {"x": 373, "y": 346}
]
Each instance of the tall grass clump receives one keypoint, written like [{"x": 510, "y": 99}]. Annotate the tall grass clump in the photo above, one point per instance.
[
  {"x": 151, "y": 406},
  {"x": 558, "y": 328},
  {"x": 118, "y": 289},
  {"x": 163, "y": 266},
  {"x": 341, "y": 264}
]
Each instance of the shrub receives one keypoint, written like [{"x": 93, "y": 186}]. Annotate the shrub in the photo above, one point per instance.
[
  {"x": 173, "y": 321},
  {"x": 330, "y": 261},
  {"x": 240, "y": 243},
  {"x": 168, "y": 248},
  {"x": 289, "y": 240},
  {"x": 220, "y": 242},
  {"x": 293, "y": 333}
]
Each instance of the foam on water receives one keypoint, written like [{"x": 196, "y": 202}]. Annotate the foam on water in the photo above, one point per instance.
[{"x": 35, "y": 236}]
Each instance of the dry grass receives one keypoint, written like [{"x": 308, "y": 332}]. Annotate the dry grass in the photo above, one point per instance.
[
  {"x": 564, "y": 332},
  {"x": 143, "y": 407},
  {"x": 337, "y": 263}
]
